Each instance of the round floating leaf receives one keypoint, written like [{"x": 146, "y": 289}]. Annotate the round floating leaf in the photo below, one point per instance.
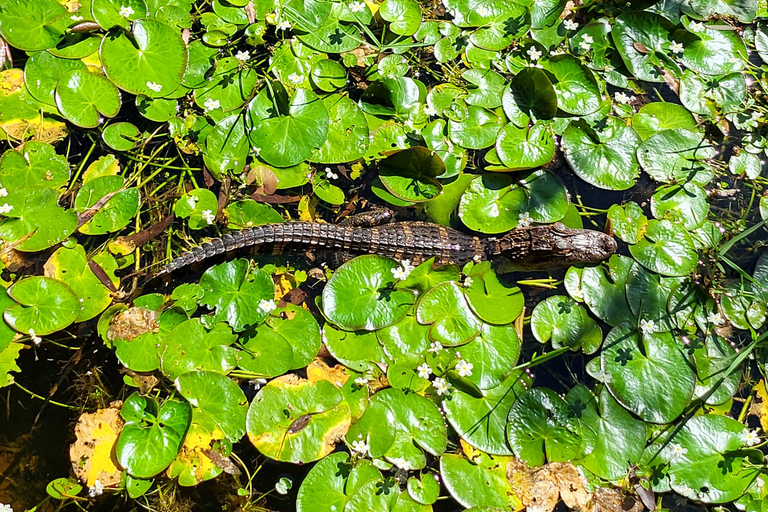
[
  {"x": 331, "y": 482},
  {"x": 521, "y": 148},
  {"x": 120, "y": 136},
  {"x": 152, "y": 435},
  {"x": 226, "y": 147},
  {"x": 294, "y": 420},
  {"x": 43, "y": 71},
  {"x": 547, "y": 196},
  {"x": 712, "y": 51},
  {"x": 529, "y": 94},
  {"x": 291, "y": 326},
  {"x": 566, "y": 324},
  {"x": 482, "y": 421},
  {"x": 159, "y": 110},
  {"x": 199, "y": 206},
  {"x": 703, "y": 96},
  {"x": 45, "y": 305},
  {"x": 492, "y": 204},
  {"x": 232, "y": 84},
  {"x": 603, "y": 157},
  {"x": 347, "y": 138},
  {"x": 32, "y": 25},
  {"x": 82, "y": 96},
  {"x": 490, "y": 299},
  {"x": 674, "y": 155},
  {"x": 111, "y": 13},
  {"x": 453, "y": 322},
  {"x": 404, "y": 16},
  {"x": 712, "y": 361},
  {"x": 218, "y": 403},
  {"x": 248, "y": 213},
  {"x": 473, "y": 484},
  {"x": 685, "y": 204},
  {"x": 478, "y": 130},
  {"x": 637, "y": 29},
  {"x": 36, "y": 220},
  {"x": 113, "y": 215},
  {"x": 542, "y": 427},
  {"x": 151, "y": 60},
  {"x": 287, "y": 131},
  {"x": 72, "y": 267},
  {"x": 713, "y": 465},
  {"x": 327, "y": 35},
  {"x": 628, "y": 222},
  {"x": 237, "y": 293},
  {"x": 356, "y": 350},
  {"x": 604, "y": 294},
  {"x": 488, "y": 86},
  {"x": 577, "y": 90},
  {"x": 659, "y": 116},
  {"x": 328, "y": 75},
  {"x": 35, "y": 164},
  {"x": 406, "y": 342},
  {"x": 140, "y": 354},
  {"x": 191, "y": 347},
  {"x": 667, "y": 249},
  {"x": 391, "y": 97},
  {"x": 649, "y": 375},
  {"x": 455, "y": 158},
  {"x": 361, "y": 294},
  {"x": 492, "y": 354},
  {"x": 409, "y": 174},
  {"x": 648, "y": 295},
  {"x": 424, "y": 490}
]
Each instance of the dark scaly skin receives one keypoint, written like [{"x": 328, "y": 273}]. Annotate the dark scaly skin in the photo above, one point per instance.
[{"x": 536, "y": 247}]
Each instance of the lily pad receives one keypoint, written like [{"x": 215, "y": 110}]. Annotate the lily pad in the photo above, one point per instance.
[
  {"x": 576, "y": 87},
  {"x": 199, "y": 206},
  {"x": 43, "y": 71},
  {"x": 35, "y": 164},
  {"x": 666, "y": 248},
  {"x": 566, "y": 324},
  {"x": 45, "y": 305},
  {"x": 492, "y": 204},
  {"x": 521, "y": 148},
  {"x": 32, "y": 25},
  {"x": 191, "y": 347},
  {"x": 347, "y": 138},
  {"x": 409, "y": 174},
  {"x": 115, "y": 213},
  {"x": 218, "y": 403},
  {"x": 675, "y": 155},
  {"x": 446, "y": 309}
]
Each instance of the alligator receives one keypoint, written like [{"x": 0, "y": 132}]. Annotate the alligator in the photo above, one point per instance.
[{"x": 530, "y": 248}]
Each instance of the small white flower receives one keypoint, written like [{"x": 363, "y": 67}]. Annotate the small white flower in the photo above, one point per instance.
[
  {"x": 256, "y": 384},
  {"x": 696, "y": 26},
  {"x": 360, "y": 447},
  {"x": 3, "y": 192},
  {"x": 208, "y": 216},
  {"x": 464, "y": 368},
  {"x": 96, "y": 490},
  {"x": 424, "y": 371},
  {"x": 570, "y": 25},
  {"x": 242, "y": 56},
  {"x": 623, "y": 98},
  {"x": 6, "y": 208},
  {"x": 295, "y": 78},
  {"x": 75, "y": 17},
  {"x": 676, "y": 48},
  {"x": 586, "y": 42},
  {"x": 677, "y": 450},
  {"x": 267, "y": 306},
  {"x": 749, "y": 437},
  {"x": 330, "y": 174},
  {"x": 441, "y": 386},
  {"x": 211, "y": 104},
  {"x": 35, "y": 338},
  {"x": 435, "y": 347},
  {"x": 468, "y": 282},
  {"x": 647, "y": 326},
  {"x": 357, "y": 6},
  {"x": 533, "y": 53},
  {"x": 126, "y": 11},
  {"x": 284, "y": 25},
  {"x": 255, "y": 151},
  {"x": 403, "y": 271},
  {"x": 154, "y": 86},
  {"x": 429, "y": 110},
  {"x": 361, "y": 381},
  {"x": 715, "y": 318},
  {"x": 524, "y": 220},
  {"x": 603, "y": 377},
  {"x": 483, "y": 11}
]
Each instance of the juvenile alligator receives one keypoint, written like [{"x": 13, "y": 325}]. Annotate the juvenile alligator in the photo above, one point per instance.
[{"x": 533, "y": 248}]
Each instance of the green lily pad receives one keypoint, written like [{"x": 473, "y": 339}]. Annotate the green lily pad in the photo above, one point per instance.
[
  {"x": 404, "y": 16},
  {"x": 490, "y": 299},
  {"x": 446, "y": 309},
  {"x": 521, "y": 148},
  {"x": 712, "y": 51},
  {"x": 603, "y": 290},
  {"x": 478, "y": 484},
  {"x": 150, "y": 61},
  {"x": 566, "y": 324},
  {"x": 43, "y": 71},
  {"x": 391, "y": 97},
  {"x": 249, "y": 213},
  {"x": 542, "y": 428},
  {"x": 576, "y": 87},
  {"x": 685, "y": 204},
  {"x": 326, "y": 33},
  {"x": 120, "y": 13},
  {"x": 409, "y": 174},
  {"x": 287, "y": 131},
  {"x": 113, "y": 215},
  {"x": 675, "y": 155},
  {"x": 406, "y": 342},
  {"x": 152, "y": 434},
  {"x": 478, "y": 130},
  {"x": 328, "y": 75},
  {"x": 702, "y": 95},
  {"x": 712, "y": 464},
  {"x": 628, "y": 222},
  {"x": 347, "y": 138},
  {"x": 361, "y": 294},
  {"x": 529, "y": 94},
  {"x": 72, "y": 267},
  {"x": 358, "y": 350},
  {"x": 659, "y": 116},
  {"x": 45, "y": 305},
  {"x": 436, "y": 137},
  {"x": 330, "y": 483},
  {"x": 294, "y": 420},
  {"x": 218, "y": 403},
  {"x": 603, "y": 157},
  {"x": 713, "y": 359},
  {"x": 231, "y": 86},
  {"x": 648, "y": 374},
  {"x": 159, "y": 110},
  {"x": 121, "y": 136},
  {"x": 492, "y": 204},
  {"x": 487, "y": 90},
  {"x": 424, "y": 490},
  {"x": 191, "y": 347},
  {"x": 35, "y": 164},
  {"x": 8, "y": 357},
  {"x": 35, "y": 219},
  {"x": 141, "y": 354},
  {"x": 648, "y": 295},
  {"x": 666, "y": 248},
  {"x": 240, "y": 296},
  {"x": 199, "y": 206},
  {"x": 226, "y": 147},
  {"x": 491, "y": 355},
  {"x": 649, "y": 30},
  {"x": 32, "y": 25}
]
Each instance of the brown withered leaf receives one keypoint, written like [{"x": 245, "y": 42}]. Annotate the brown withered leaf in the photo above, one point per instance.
[
  {"x": 641, "y": 47},
  {"x": 145, "y": 235},
  {"x": 133, "y": 322}
]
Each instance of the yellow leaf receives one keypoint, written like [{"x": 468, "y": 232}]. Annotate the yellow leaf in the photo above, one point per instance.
[
  {"x": 317, "y": 370},
  {"x": 193, "y": 465},
  {"x": 307, "y": 211},
  {"x": 92, "y": 452},
  {"x": 759, "y": 407}
]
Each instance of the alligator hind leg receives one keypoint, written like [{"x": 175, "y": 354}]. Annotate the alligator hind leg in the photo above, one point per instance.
[{"x": 368, "y": 219}]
